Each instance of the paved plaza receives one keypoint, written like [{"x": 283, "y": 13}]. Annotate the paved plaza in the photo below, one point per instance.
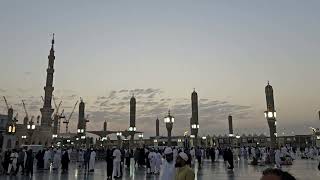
[{"x": 301, "y": 169}]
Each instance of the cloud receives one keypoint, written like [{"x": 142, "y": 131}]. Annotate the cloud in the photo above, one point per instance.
[{"x": 3, "y": 90}]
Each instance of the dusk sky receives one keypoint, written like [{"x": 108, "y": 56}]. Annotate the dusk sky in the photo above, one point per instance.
[{"x": 160, "y": 51}]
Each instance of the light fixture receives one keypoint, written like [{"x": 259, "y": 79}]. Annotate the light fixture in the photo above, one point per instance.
[{"x": 204, "y": 138}]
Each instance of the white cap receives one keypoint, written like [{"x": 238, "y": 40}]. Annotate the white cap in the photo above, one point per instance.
[
  {"x": 184, "y": 156},
  {"x": 168, "y": 150}
]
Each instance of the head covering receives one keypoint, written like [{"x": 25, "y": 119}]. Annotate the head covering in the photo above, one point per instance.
[
  {"x": 168, "y": 150},
  {"x": 184, "y": 156}
]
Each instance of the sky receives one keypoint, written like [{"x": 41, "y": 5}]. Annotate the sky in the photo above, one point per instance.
[{"x": 160, "y": 50}]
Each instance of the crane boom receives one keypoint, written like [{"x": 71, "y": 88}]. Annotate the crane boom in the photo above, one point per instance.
[
  {"x": 25, "y": 109},
  {"x": 74, "y": 107},
  {"x": 5, "y": 100},
  {"x": 68, "y": 120}
]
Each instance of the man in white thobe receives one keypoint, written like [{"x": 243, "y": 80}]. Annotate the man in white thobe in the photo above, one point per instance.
[
  {"x": 217, "y": 154},
  {"x": 92, "y": 160},
  {"x": 116, "y": 163},
  {"x": 56, "y": 159},
  {"x": 169, "y": 166},
  {"x": 47, "y": 159},
  {"x": 277, "y": 157},
  {"x": 152, "y": 160},
  {"x": 158, "y": 163}
]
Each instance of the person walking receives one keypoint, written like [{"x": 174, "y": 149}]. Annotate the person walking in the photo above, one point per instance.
[
  {"x": 13, "y": 162},
  {"x": 22, "y": 155},
  {"x": 184, "y": 172},
  {"x": 169, "y": 166},
  {"x": 65, "y": 161},
  {"x": 92, "y": 160},
  {"x": 29, "y": 163},
  {"x": 116, "y": 163},
  {"x": 87, "y": 159},
  {"x": 109, "y": 159},
  {"x": 158, "y": 163},
  {"x": 56, "y": 159}
]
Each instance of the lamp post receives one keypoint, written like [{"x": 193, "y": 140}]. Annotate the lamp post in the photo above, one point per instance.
[
  {"x": 119, "y": 134},
  {"x": 81, "y": 132},
  {"x": 30, "y": 129},
  {"x": 272, "y": 122},
  {"x": 169, "y": 120},
  {"x": 132, "y": 131}
]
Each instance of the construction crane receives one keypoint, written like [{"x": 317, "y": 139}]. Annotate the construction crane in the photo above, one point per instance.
[
  {"x": 5, "y": 100},
  {"x": 61, "y": 116},
  {"x": 26, "y": 119},
  {"x": 66, "y": 121},
  {"x": 56, "y": 106}
]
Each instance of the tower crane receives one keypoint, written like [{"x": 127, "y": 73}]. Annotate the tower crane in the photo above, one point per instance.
[
  {"x": 56, "y": 116},
  {"x": 26, "y": 119},
  {"x": 5, "y": 100},
  {"x": 66, "y": 121}
]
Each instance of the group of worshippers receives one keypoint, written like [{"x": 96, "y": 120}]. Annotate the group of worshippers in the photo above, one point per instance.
[
  {"x": 16, "y": 160},
  {"x": 53, "y": 156}
]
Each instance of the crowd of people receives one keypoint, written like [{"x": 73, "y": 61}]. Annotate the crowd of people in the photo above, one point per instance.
[{"x": 176, "y": 163}]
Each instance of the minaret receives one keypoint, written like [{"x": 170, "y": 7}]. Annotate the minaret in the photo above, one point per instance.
[
  {"x": 157, "y": 127},
  {"x": 132, "y": 123},
  {"x": 46, "y": 110},
  {"x": 133, "y": 112},
  {"x": 105, "y": 126},
  {"x": 194, "y": 117},
  {"x": 270, "y": 115},
  {"x": 81, "y": 120},
  {"x": 230, "y": 126}
]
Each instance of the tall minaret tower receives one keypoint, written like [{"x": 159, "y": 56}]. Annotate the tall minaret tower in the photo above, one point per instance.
[
  {"x": 157, "y": 127},
  {"x": 105, "y": 126},
  {"x": 194, "y": 118},
  {"x": 81, "y": 120},
  {"x": 230, "y": 126},
  {"x": 133, "y": 112},
  {"x": 132, "y": 124},
  {"x": 46, "y": 110},
  {"x": 271, "y": 115}
]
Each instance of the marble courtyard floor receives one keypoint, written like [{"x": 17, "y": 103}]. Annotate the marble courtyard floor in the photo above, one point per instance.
[{"x": 301, "y": 169}]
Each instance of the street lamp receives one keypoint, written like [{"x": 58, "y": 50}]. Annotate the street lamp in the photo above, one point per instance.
[
  {"x": 272, "y": 122},
  {"x": 30, "y": 129},
  {"x": 11, "y": 128},
  {"x": 169, "y": 120}
]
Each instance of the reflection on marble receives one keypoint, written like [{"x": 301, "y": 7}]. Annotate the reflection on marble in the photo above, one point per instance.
[{"x": 302, "y": 169}]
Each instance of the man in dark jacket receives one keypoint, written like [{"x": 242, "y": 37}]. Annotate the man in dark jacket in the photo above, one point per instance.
[{"x": 29, "y": 163}]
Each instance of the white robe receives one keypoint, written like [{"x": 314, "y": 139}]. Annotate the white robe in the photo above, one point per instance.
[
  {"x": 216, "y": 155},
  {"x": 277, "y": 158},
  {"x": 193, "y": 156},
  {"x": 46, "y": 159},
  {"x": 158, "y": 162},
  {"x": 152, "y": 160},
  {"x": 57, "y": 159},
  {"x": 168, "y": 172},
  {"x": 92, "y": 160}
]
